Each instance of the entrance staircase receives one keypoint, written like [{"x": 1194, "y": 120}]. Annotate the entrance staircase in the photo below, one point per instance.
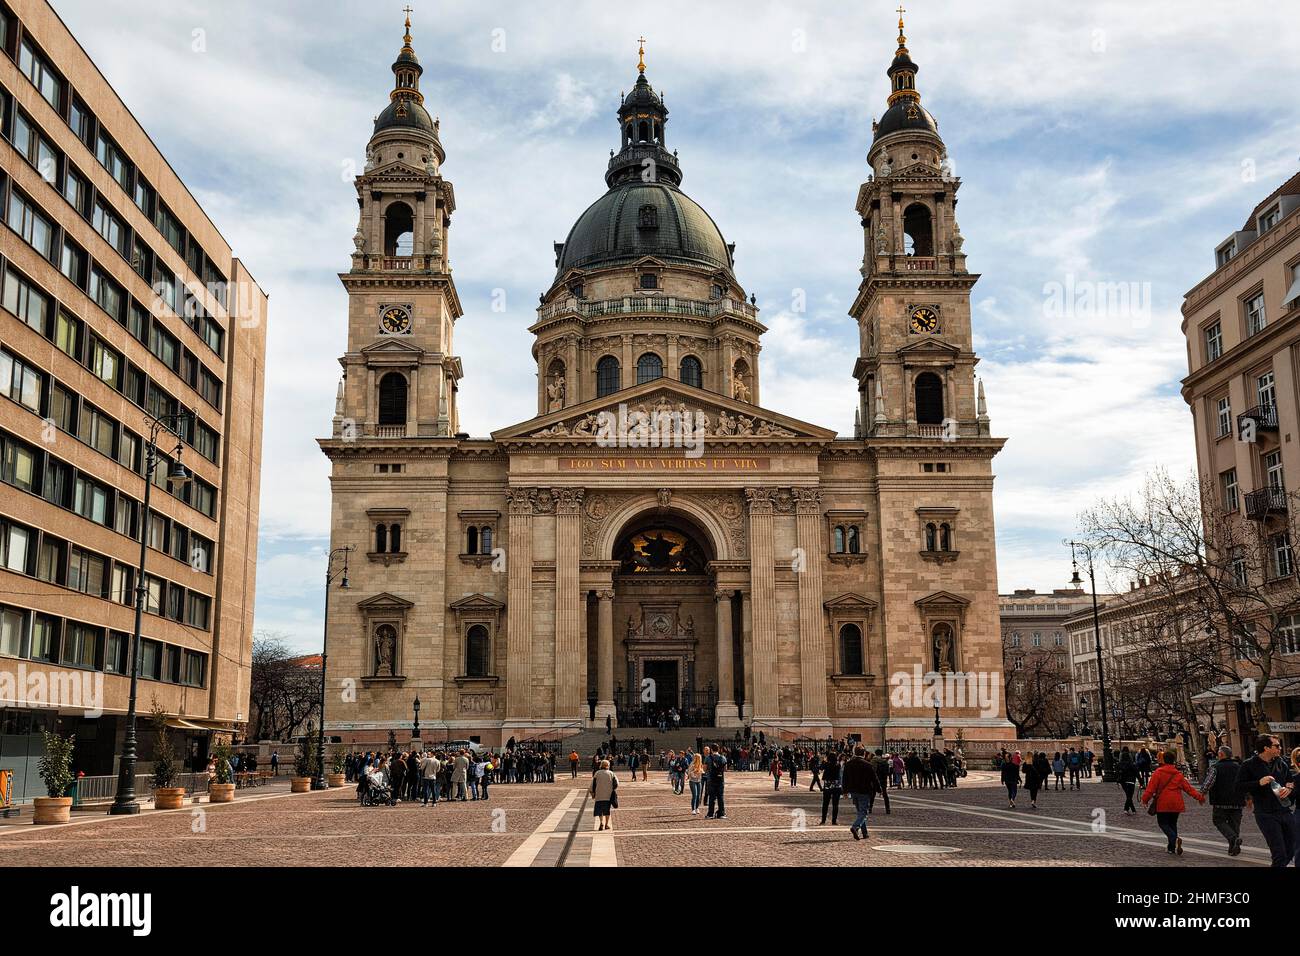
[{"x": 684, "y": 738}]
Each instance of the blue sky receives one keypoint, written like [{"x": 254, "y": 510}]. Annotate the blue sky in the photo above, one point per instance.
[{"x": 1098, "y": 143}]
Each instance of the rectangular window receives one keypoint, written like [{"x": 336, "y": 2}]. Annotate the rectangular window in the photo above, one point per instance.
[
  {"x": 141, "y": 259},
  {"x": 179, "y": 544},
  {"x": 166, "y": 287},
  {"x": 164, "y": 345},
  {"x": 21, "y": 382},
  {"x": 57, "y": 487},
  {"x": 45, "y": 639},
  {"x": 137, "y": 322},
  {"x": 121, "y": 590},
  {"x": 26, "y": 301},
  {"x": 157, "y": 532},
  {"x": 1269, "y": 219},
  {"x": 15, "y": 547},
  {"x": 1273, "y": 470},
  {"x": 81, "y": 645},
  {"x": 175, "y": 602},
  {"x": 1280, "y": 546},
  {"x": 1229, "y": 482},
  {"x": 96, "y": 429},
  {"x": 18, "y": 468},
  {"x": 105, "y": 362},
  {"x": 29, "y": 222},
  {"x": 1225, "y": 416},
  {"x": 151, "y": 659},
  {"x": 110, "y": 226},
  {"x": 1255, "y": 319},
  {"x": 153, "y": 594},
  {"x": 196, "y": 615},
  {"x": 67, "y": 334},
  {"x": 124, "y": 516},
  {"x": 117, "y": 652},
  {"x": 38, "y": 70},
  {"x": 213, "y": 335},
  {"x": 205, "y": 498},
  {"x": 107, "y": 294},
  {"x": 170, "y": 227},
  {"x": 90, "y": 500},
  {"x": 195, "y": 668},
  {"x": 13, "y": 632},
  {"x": 51, "y": 564},
  {"x": 76, "y": 192},
  {"x": 1213, "y": 342},
  {"x": 63, "y": 409},
  {"x": 205, "y": 441},
  {"x": 143, "y": 196},
  {"x": 1264, "y": 390},
  {"x": 112, "y": 159},
  {"x": 35, "y": 148},
  {"x": 86, "y": 572},
  {"x": 128, "y": 449},
  {"x": 72, "y": 263},
  {"x": 210, "y": 388},
  {"x": 79, "y": 120},
  {"x": 200, "y": 553}
]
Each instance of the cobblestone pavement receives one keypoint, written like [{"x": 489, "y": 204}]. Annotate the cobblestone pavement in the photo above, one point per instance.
[{"x": 541, "y": 825}]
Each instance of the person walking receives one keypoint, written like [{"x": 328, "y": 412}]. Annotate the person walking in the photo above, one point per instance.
[
  {"x": 1058, "y": 770},
  {"x": 1033, "y": 780},
  {"x": 604, "y": 788},
  {"x": 830, "y": 783},
  {"x": 1143, "y": 762},
  {"x": 573, "y": 763},
  {"x": 1164, "y": 795},
  {"x": 776, "y": 773},
  {"x": 815, "y": 765},
  {"x": 695, "y": 776},
  {"x": 715, "y": 768},
  {"x": 1226, "y": 802},
  {"x": 1266, "y": 783},
  {"x": 1011, "y": 780},
  {"x": 1074, "y": 763},
  {"x": 859, "y": 782},
  {"x": 1127, "y": 772}
]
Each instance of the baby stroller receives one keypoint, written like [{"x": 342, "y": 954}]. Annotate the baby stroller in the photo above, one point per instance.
[{"x": 372, "y": 790}]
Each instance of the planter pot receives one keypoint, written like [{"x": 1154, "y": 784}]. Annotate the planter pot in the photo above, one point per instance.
[
  {"x": 51, "y": 809},
  {"x": 221, "y": 792},
  {"x": 335, "y": 779},
  {"x": 168, "y": 798},
  {"x": 299, "y": 784}
]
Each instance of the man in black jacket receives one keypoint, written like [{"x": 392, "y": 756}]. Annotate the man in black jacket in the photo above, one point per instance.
[
  {"x": 1221, "y": 787},
  {"x": 861, "y": 785},
  {"x": 1273, "y": 813}
]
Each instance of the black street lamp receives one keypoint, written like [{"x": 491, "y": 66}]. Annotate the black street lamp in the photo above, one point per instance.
[
  {"x": 1107, "y": 758},
  {"x": 124, "y": 802},
  {"x": 318, "y": 782},
  {"x": 1083, "y": 704},
  {"x": 415, "y": 732},
  {"x": 938, "y": 730}
]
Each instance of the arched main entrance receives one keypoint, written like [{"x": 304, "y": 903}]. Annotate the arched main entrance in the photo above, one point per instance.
[{"x": 665, "y": 647}]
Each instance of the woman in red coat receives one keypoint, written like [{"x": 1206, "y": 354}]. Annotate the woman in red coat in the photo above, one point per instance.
[{"x": 1166, "y": 786}]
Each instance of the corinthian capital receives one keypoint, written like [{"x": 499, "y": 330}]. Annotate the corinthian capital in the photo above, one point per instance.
[
  {"x": 759, "y": 500},
  {"x": 521, "y": 500},
  {"x": 808, "y": 501},
  {"x": 568, "y": 501}
]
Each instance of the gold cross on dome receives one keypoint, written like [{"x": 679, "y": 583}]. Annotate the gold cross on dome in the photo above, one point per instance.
[
  {"x": 641, "y": 52},
  {"x": 408, "y": 10}
]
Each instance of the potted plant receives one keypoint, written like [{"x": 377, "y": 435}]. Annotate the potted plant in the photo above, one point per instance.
[
  {"x": 166, "y": 796},
  {"x": 222, "y": 787},
  {"x": 304, "y": 766},
  {"x": 338, "y": 761},
  {"x": 56, "y": 770}
]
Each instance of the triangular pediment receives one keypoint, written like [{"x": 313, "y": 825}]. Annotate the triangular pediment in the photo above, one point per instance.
[
  {"x": 724, "y": 419},
  {"x": 384, "y": 601},
  {"x": 397, "y": 169},
  {"x": 393, "y": 344},
  {"x": 477, "y": 602},
  {"x": 850, "y": 600},
  {"x": 943, "y": 599},
  {"x": 928, "y": 345}
]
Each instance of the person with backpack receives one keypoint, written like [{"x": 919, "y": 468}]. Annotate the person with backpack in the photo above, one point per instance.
[
  {"x": 1058, "y": 770},
  {"x": 1226, "y": 801},
  {"x": 1074, "y": 763},
  {"x": 715, "y": 769},
  {"x": 1164, "y": 797}
]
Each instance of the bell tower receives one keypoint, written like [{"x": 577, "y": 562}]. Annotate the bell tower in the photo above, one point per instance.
[
  {"x": 400, "y": 375},
  {"x": 916, "y": 365}
]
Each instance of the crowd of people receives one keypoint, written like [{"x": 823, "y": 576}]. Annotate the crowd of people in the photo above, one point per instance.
[{"x": 437, "y": 774}]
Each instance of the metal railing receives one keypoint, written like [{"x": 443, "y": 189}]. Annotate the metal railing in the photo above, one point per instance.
[
  {"x": 104, "y": 788},
  {"x": 1260, "y": 504},
  {"x": 652, "y": 304},
  {"x": 1263, "y": 417}
]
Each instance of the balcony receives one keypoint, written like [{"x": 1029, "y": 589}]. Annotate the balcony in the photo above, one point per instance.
[
  {"x": 649, "y": 305},
  {"x": 1267, "y": 501},
  {"x": 916, "y": 263},
  {"x": 402, "y": 263},
  {"x": 390, "y": 431},
  {"x": 1261, "y": 418}
]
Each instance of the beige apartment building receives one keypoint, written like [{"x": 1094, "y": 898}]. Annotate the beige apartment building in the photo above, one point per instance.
[
  {"x": 1033, "y": 625},
  {"x": 571, "y": 570},
  {"x": 121, "y": 301},
  {"x": 1242, "y": 325}
]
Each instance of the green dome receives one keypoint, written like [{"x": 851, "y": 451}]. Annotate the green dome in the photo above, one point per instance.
[
  {"x": 644, "y": 219},
  {"x": 417, "y": 117}
]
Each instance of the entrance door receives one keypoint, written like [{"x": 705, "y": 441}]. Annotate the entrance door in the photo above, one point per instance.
[{"x": 664, "y": 675}]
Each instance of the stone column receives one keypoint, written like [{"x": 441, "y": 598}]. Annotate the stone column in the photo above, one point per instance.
[
  {"x": 762, "y": 572},
  {"x": 569, "y": 651},
  {"x": 628, "y": 376},
  {"x": 726, "y": 715},
  {"x": 747, "y": 652},
  {"x": 519, "y": 606},
  {"x": 572, "y": 374},
  {"x": 812, "y": 630},
  {"x": 605, "y": 706}
]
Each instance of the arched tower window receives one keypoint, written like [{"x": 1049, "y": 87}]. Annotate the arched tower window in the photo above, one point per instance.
[
  {"x": 931, "y": 537},
  {"x": 398, "y": 230},
  {"x": 381, "y": 538},
  {"x": 945, "y": 537},
  {"x": 850, "y": 649},
  {"x": 692, "y": 372},
  {"x": 929, "y": 399},
  {"x": 642, "y": 131},
  {"x": 917, "y": 231},
  {"x": 395, "y": 538},
  {"x": 853, "y": 539},
  {"x": 839, "y": 539},
  {"x": 471, "y": 540},
  {"x": 476, "y": 651},
  {"x": 608, "y": 378},
  {"x": 649, "y": 367},
  {"x": 392, "y": 399},
  {"x": 485, "y": 539}
]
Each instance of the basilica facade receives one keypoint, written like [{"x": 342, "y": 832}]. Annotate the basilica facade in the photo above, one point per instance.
[{"x": 655, "y": 539}]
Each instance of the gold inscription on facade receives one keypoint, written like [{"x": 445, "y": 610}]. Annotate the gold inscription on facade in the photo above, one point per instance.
[{"x": 626, "y": 463}]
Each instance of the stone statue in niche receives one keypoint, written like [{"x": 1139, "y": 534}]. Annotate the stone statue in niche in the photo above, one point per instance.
[
  {"x": 385, "y": 647},
  {"x": 555, "y": 394},
  {"x": 943, "y": 648}
]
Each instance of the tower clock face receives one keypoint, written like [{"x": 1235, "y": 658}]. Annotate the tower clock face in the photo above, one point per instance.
[
  {"x": 395, "y": 319},
  {"x": 924, "y": 319}
]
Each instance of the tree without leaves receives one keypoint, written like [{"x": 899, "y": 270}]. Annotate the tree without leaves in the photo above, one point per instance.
[
  {"x": 1037, "y": 693},
  {"x": 1228, "y": 598},
  {"x": 283, "y": 695}
]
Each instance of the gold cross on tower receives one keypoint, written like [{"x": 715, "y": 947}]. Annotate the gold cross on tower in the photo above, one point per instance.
[{"x": 641, "y": 64}]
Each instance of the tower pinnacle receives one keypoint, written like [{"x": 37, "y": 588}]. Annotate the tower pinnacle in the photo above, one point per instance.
[{"x": 641, "y": 62}]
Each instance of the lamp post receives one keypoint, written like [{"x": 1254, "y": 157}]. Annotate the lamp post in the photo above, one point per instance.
[
  {"x": 124, "y": 802},
  {"x": 1083, "y": 705},
  {"x": 318, "y": 781},
  {"x": 1107, "y": 758},
  {"x": 415, "y": 731}
]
